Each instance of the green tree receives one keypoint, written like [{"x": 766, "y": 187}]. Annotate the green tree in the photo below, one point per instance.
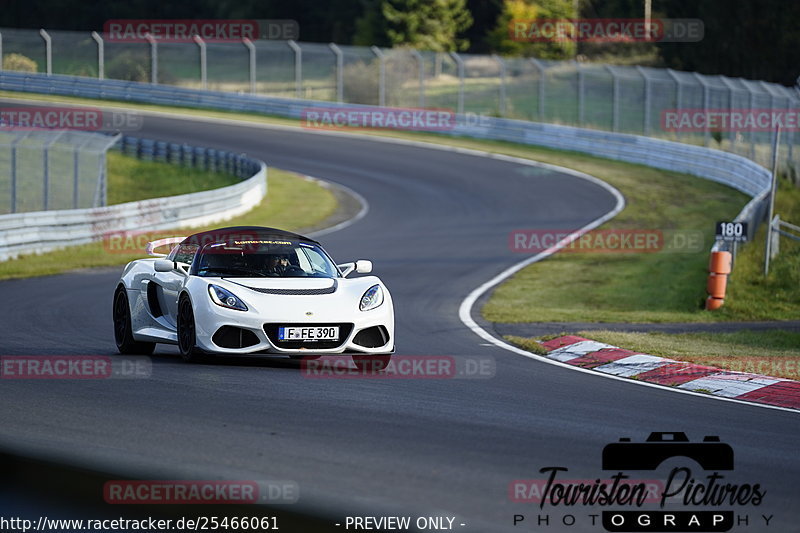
[
  {"x": 427, "y": 24},
  {"x": 520, "y": 15}
]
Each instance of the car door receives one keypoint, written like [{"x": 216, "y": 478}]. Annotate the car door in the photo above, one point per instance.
[{"x": 169, "y": 284}]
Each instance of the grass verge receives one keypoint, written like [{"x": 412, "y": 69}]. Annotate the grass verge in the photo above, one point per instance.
[
  {"x": 293, "y": 202},
  {"x": 131, "y": 179}
]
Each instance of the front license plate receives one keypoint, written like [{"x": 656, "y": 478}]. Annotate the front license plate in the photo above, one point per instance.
[{"x": 310, "y": 333}]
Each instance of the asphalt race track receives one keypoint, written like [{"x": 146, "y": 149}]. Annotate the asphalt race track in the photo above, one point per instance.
[{"x": 437, "y": 227}]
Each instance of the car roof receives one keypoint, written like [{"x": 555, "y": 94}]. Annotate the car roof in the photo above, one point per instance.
[{"x": 243, "y": 233}]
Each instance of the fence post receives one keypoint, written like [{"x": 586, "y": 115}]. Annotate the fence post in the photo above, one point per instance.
[
  {"x": 647, "y": 99},
  {"x": 421, "y": 68},
  {"x": 503, "y": 69},
  {"x": 614, "y": 100},
  {"x": 579, "y": 77},
  {"x": 540, "y": 68},
  {"x": 203, "y": 61},
  {"x": 460, "y": 65},
  {"x": 768, "y": 245},
  {"x": 251, "y": 48},
  {"x": 298, "y": 68},
  {"x": 48, "y": 50},
  {"x": 706, "y": 98},
  {"x": 14, "y": 171},
  {"x": 101, "y": 56},
  {"x": 731, "y": 93},
  {"x": 76, "y": 153},
  {"x": 153, "y": 58},
  {"x": 103, "y": 180},
  {"x": 678, "y": 94},
  {"x": 381, "y": 75},
  {"x": 751, "y": 104},
  {"x": 339, "y": 71},
  {"x": 46, "y": 169}
]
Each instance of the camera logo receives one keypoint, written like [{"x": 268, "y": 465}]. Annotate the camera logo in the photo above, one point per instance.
[{"x": 711, "y": 454}]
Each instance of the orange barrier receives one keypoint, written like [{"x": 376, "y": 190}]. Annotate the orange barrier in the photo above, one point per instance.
[
  {"x": 713, "y": 303},
  {"x": 720, "y": 263},
  {"x": 719, "y": 266},
  {"x": 716, "y": 285}
]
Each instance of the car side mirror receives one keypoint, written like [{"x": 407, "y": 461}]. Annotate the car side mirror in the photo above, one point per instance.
[
  {"x": 164, "y": 265},
  {"x": 362, "y": 266}
]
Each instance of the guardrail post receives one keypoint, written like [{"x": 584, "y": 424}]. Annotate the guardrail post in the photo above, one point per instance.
[
  {"x": 381, "y": 75},
  {"x": 460, "y": 66},
  {"x": 101, "y": 56},
  {"x": 503, "y": 69},
  {"x": 421, "y": 69},
  {"x": 203, "y": 61},
  {"x": 339, "y": 71},
  {"x": 153, "y": 58},
  {"x": 251, "y": 48},
  {"x": 541, "y": 69},
  {"x": 298, "y": 68},
  {"x": 48, "y": 50}
]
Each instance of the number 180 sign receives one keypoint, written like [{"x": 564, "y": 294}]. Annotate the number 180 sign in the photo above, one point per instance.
[{"x": 732, "y": 231}]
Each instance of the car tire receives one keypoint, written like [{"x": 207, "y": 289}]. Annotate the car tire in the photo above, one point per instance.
[
  {"x": 123, "y": 331},
  {"x": 186, "y": 332},
  {"x": 371, "y": 363}
]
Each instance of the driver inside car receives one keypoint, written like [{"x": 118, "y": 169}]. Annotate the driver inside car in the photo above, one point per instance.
[{"x": 277, "y": 264}]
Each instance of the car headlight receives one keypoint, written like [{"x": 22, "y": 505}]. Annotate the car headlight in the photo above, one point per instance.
[
  {"x": 372, "y": 298},
  {"x": 225, "y": 298}
]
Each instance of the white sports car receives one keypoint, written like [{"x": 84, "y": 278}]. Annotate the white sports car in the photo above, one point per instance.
[{"x": 252, "y": 290}]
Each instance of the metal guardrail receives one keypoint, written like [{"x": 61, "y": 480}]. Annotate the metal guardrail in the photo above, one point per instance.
[
  {"x": 38, "y": 232},
  {"x": 723, "y": 167}
]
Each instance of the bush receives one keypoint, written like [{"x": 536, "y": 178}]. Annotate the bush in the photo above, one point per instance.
[
  {"x": 360, "y": 81},
  {"x": 19, "y": 62},
  {"x": 129, "y": 66}
]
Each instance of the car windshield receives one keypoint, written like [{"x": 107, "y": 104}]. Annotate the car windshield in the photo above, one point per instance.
[{"x": 264, "y": 258}]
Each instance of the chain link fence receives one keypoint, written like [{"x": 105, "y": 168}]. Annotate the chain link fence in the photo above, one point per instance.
[
  {"x": 613, "y": 98},
  {"x": 51, "y": 170}
]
